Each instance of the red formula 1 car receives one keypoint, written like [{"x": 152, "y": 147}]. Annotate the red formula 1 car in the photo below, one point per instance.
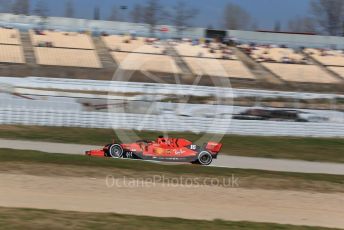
[{"x": 162, "y": 149}]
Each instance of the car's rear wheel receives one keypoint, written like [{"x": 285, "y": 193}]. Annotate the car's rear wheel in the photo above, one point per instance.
[
  {"x": 116, "y": 151},
  {"x": 205, "y": 158}
]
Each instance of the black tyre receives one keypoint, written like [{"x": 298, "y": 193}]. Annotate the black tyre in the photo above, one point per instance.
[
  {"x": 205, "y": 158},
  {"x": 116, "y": 151}
]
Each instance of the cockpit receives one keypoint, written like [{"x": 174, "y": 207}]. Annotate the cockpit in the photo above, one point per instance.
[{"x": 165, "y": 142}]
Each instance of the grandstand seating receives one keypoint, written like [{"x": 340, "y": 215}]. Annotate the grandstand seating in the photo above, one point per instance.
[
  {"x": 188, "y": 49},
  {"x": 56, "y": 48},
  {"x": 327, "y": 57},
  {"x": 9, "y": 36},
  {"x": 288, "y": 64},
  {"x": 337, "y": 70},
  {"x": 11, "y": 50},
  {"x": 11, "y": 54},
  {"x": 61, "y": 39},
  {"x": 127, "y": 44},
  {"x": 64, "y": 49},
  {"x": 67, "y": 57},
  {"x": 277, "y": 54},
  {"x": 218, "y": 68},
  {"x": 300, "y": 73},
  {"x": 146, "y": 62}
]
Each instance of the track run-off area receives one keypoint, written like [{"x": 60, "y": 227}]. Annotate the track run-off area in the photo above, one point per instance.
[{"x": 85, "y": 194}]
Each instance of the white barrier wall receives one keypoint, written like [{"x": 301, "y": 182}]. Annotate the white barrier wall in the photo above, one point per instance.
[
  {"x": 157, "y": 88},
  {"x": 167, "y": 123}
]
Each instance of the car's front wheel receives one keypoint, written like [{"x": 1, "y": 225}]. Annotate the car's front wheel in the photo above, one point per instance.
[
  {"x": 205, "y": 158},
  {"x": 116, "y": 151}
]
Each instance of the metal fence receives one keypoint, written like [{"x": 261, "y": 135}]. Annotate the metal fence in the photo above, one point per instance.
[{"x": 167, "y": 123}]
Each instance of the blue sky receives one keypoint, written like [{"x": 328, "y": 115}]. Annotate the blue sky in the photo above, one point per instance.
[{"x": 265, "y": 12}]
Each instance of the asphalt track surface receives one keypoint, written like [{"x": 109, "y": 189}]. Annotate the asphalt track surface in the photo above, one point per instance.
[
  {"x": 227, "y": 203},
  {"x": 85, "y": 194},
  {"x": 226, "y": 161}
]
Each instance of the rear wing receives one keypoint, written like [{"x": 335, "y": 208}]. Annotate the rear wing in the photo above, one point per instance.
[{"x": 213, "y": 147}]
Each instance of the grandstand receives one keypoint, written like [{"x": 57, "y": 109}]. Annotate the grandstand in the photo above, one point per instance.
[
  {"x": 327, "y": 57},
  {"x": 9, "y": 36},
  {"x": 212, "y": 59},
  {"x": 11, "y": 50},
  {"x": 219, "y": 68},
  {"x": 337, "y": 70},
  {"x": 67, "y": 57},
  {"x": 301, "y": 73},
  {"x": 140, "y": 54},
  {"x": 136, "y": 44},
  {"x": 331, "y": 59},
  {"x": 289, "y": 65},
  {"x": 211, "y": 50},
  {"x": 64, "y": 49},
  {"x": 146, "y": 62},
  {"x": 59, "y": 39},
  {"x": 11, "y": 54},
  {"x": 147, "y": 51},
  {"x": 59, "y": 53},
  {"x": 277, "y": 54}
]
